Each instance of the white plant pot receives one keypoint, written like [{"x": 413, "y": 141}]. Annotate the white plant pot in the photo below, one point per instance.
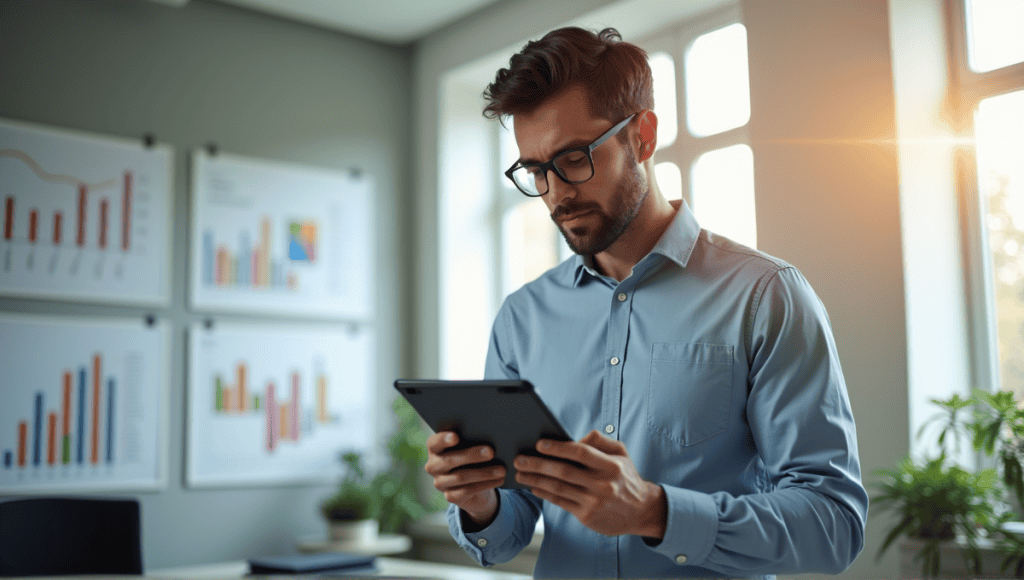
[{"x": 355, "y": 532}]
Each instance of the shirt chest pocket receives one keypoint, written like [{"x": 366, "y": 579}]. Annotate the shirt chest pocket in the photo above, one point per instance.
[{"x": 690, "y": 390}]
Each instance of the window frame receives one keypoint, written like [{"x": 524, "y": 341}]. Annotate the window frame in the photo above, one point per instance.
[
  {"x": 967, "y": 88},
  {"x": 676, "y": 40}
]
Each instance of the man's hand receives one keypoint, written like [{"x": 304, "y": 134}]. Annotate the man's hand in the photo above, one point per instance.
[
  {"x": 472, "y": 489},
  {"x": 607, "y": 495}
]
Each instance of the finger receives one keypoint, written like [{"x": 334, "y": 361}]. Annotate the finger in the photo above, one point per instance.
[
  {"x": 458, "y": 494},
  {"x": 551, "y": 485},
  {"x": 563, "y": 502},
  {"x": 552, "y": 468},
  {"x": 599, "y": 441},
  {"x": 576, "y": 451},
  {"x": 441, "y": 440},
  {"x": 466, "y": 477},
  {"x": 445, "y": 462}
]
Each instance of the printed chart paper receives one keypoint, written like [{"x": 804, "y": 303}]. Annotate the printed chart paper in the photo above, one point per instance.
[
  {"x": 82, "y": 404},
  {"x": 84, "y": 217},
  {"x": 276, "y": 404},
  {"x": 278, "y": 238}
]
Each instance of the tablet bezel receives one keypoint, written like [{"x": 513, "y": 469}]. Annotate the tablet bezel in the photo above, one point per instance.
[{"x": 436, "y": 412}]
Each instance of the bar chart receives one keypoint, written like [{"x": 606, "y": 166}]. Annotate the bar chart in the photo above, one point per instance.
[
  {"x": 88, "y": 418},
  {"x": 272, "y": 237},
  {"x": 276, "y": 404},
  {"x": 247, "y": 265},
  {"x": 84, "y": 217},
  {"x": 283, "y": 419}
]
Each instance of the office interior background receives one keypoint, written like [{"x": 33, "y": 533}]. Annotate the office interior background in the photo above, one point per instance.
[{"x": 851, "y": 157}]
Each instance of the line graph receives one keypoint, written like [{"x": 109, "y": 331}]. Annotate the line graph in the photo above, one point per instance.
[{"x": 83, "y": 216}]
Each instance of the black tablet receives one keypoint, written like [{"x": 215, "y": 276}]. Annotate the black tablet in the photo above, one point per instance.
[{"x": 507, "y": 415}]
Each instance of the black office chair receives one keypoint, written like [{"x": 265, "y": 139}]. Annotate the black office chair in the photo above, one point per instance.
[{"x": 64, "y": 536}]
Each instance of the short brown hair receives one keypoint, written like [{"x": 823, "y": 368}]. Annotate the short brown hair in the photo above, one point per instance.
[{"x": 615, "y": 74}]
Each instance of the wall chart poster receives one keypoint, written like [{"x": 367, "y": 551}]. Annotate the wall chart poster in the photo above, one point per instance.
[
  {"x": 278, "y": 238},
  {"x": 84, "y": 217},
  {"x": 272, "y": 404},
  {"x": 82, "y": 404}
]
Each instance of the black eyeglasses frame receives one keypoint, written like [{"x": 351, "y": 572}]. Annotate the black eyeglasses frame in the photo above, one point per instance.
[{"x": 550, "y": 165}]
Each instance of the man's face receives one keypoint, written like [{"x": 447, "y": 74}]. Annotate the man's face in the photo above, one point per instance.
[{"x": 593, "y": 214}]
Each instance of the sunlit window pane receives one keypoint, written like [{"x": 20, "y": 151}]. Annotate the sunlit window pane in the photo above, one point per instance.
[
  {"x": 670, "y": 180},
  {"x": 999, "y": 130},
  {"x": 717, "y": 81},
  {"x": 723, "y": 193},
  {"x": 663, "y": 71},
  {"x": 995, "y": 33},
  {"x": 529, "y": 243}
]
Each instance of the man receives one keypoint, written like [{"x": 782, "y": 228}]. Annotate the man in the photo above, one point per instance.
[{"x": 698, "y": 377}]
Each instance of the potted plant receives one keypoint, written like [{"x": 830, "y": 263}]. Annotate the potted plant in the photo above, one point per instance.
[
  {"x": 391, "y": 498},
  {"x": 938, "y": 503}
]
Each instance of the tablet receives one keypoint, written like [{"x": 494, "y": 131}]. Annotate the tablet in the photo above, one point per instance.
[{"x": 507, "y": 415}]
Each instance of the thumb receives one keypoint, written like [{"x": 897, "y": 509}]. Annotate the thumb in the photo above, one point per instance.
[{"x": 607, "y": 445}]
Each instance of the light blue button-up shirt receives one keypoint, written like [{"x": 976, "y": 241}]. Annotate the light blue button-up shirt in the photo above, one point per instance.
[{"x": 715, "y": 365}]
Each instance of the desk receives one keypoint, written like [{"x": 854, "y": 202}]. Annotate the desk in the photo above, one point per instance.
[{"x": 385, "y": 567}]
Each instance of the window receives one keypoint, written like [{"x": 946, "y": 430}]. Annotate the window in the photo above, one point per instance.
[
  {"x": 707, "y": 161},
  {"x": 989, "y": 83}
]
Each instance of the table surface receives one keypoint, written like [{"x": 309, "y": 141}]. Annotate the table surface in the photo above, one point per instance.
[{"x": 384, "y": 567}]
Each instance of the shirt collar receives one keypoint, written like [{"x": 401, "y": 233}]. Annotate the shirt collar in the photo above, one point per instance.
[{"x": 676, "y": 244}]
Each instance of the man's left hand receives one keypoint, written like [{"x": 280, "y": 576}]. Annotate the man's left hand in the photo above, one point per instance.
[{"x": 607, "y": 495}]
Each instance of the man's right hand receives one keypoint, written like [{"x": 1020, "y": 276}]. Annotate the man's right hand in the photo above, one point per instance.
[{"x": 470, "y": 488}]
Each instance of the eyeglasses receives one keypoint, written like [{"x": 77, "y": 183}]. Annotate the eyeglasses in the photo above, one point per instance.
[{"x": 574, "y": 166}]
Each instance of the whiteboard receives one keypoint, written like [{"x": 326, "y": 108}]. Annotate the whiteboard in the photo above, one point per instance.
[
  {"x": 85, "y": 217},
  {"x": 270, "y": 237}
]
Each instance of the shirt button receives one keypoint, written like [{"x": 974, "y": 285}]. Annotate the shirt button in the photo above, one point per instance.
[
  {"x": 483, "y": 544},
  {"x": 614, "y": 361},
  {"x": 622, "y": 297},
  {"x": 609, "y": 428},
  {"x": 680, "y": 559}
]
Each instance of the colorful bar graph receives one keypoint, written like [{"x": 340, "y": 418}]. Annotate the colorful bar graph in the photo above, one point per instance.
[
  {"x": 126, "y": 212},
  {"x": 45, "y": 438},
  {"x": 82, "y": 198},
  {"x": 247, "y": 265}
]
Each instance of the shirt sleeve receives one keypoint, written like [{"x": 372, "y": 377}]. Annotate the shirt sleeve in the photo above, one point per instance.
[
  {"x": 513, "y": 527},
  {"x": 811, "y": 517}
]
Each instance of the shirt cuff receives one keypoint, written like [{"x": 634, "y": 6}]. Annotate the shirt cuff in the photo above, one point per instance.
[
  {"x": 489, "y": 540},
  {"x": 691, "y": 527}
]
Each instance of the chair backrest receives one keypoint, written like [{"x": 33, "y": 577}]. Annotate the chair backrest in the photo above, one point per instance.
[{"x": 64, "y": 536}]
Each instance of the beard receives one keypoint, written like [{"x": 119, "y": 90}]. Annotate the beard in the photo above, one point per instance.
[{"x": 627, "y": 199}]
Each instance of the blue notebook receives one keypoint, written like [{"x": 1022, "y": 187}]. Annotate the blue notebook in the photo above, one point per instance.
[{"x": 305, "y": 563}]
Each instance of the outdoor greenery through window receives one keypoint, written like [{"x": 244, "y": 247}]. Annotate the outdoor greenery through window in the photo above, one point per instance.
[
  {"x": 991, "y": 82},
  {"x": 999, "y": 131}
]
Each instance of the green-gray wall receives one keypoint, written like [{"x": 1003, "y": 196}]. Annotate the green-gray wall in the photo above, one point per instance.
[{"x": 256, "y": 86}]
